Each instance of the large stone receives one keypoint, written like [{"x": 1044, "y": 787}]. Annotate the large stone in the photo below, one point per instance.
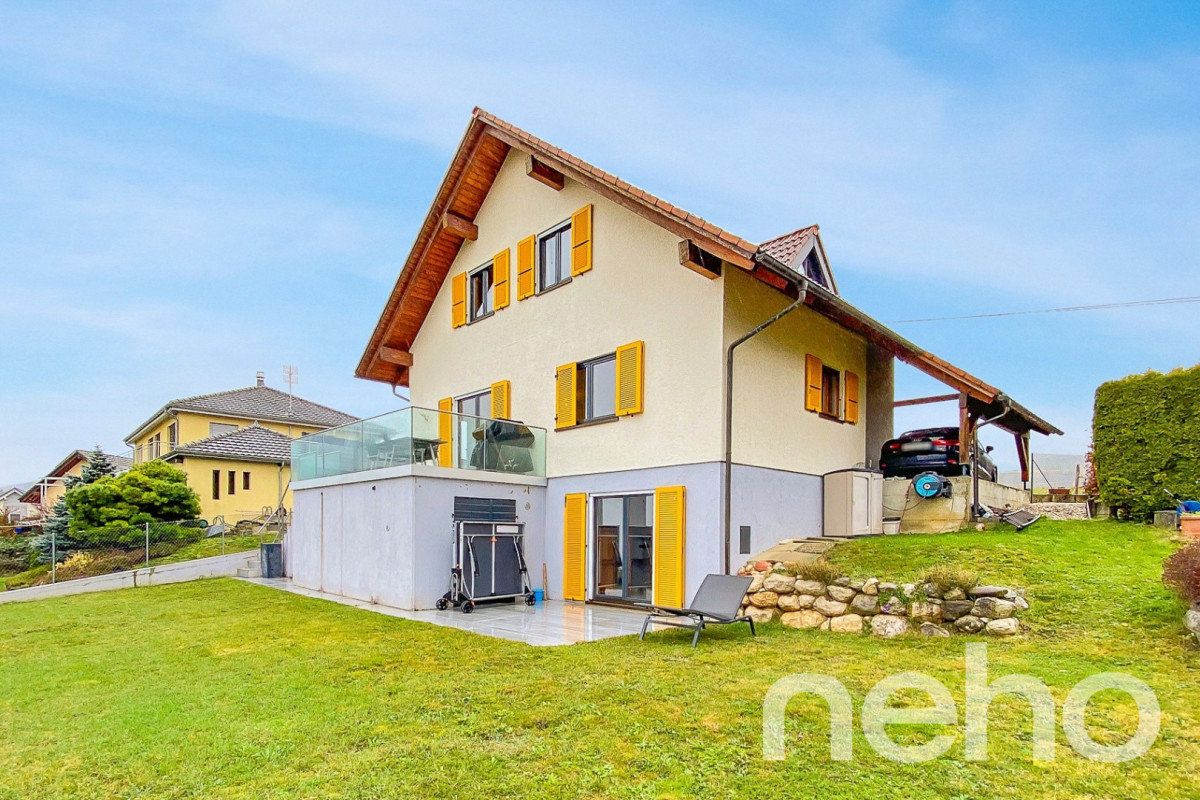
[
  {"x": 828, "y": 607},
  {"x": 764, "y": 599},
  {"x": 864, "y": 604},
  {"x": 762, "y": 566},
  {"x": 925, "y": 612},
  {"x": 847, "y": 623},
  {"x": 888, "y": 626},
  {"x": 954, "y": 593},
  {"x": 988, "y": 591},
  {"x": 1008, "y": 626},
  {"x": 1021, "y": 602},
  {"x": 953, "y": 609},
  {"x": 887, "y": 586},
  {"x": 929, "y": 629},
  {"x": 994, "y": 608},
  {"x": 805, "y": 586},
  {"x": 871, "y": 586},
  {"x": 1192, "y": 621},
  {"x": 780, "y": 583},
  {"x": 969, "y": 624},
  {"x": 895, "y": 606},
  {"x": 761, "y": 615},
  {"x": 805, "y": 600},
  {"x": 908, "y": 589},
  {"x": 843, "y": 594},
  {"x": 930, "y": 590},
  {"x": 857, "y": 584},
  {"x": 789, "y": 602},
  {"x": 803, "y": 619},
  {"x": 756, "y": 583},
  {"x": 843, "y": 581}
]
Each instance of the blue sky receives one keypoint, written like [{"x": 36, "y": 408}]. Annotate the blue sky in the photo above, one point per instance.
[{"x": 194, "y": 193}]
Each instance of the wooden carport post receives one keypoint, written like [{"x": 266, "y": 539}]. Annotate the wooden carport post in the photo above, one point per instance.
[{"x": 965, "y": 441}]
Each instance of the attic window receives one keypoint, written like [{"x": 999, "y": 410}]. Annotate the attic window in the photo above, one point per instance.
[{"x": 813, "y": 269}]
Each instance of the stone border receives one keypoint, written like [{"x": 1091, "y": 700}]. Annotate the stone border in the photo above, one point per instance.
[
  {"x": 883, "y": 608},
  {"x": 1191, "y": 620}
]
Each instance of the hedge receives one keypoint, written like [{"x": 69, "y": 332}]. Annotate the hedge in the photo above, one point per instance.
[{"x": 1146, "y": 435}]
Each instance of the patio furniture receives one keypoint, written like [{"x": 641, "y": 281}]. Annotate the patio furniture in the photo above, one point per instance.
[{"x": 717, "y": 602}]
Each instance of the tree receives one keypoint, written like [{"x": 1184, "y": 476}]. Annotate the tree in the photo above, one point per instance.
[
  {"x": 150, "y": 492},
  {"x": 55, "y": 539},
  {"x": 98, "y": 466}
]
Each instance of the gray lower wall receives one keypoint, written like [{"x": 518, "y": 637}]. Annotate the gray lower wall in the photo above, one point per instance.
[
  {"x": 776, "y": 504},
  {"x": 390, "y": 541}
]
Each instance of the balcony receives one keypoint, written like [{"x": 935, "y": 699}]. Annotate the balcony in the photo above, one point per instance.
[{"x": 422, "y": 436}]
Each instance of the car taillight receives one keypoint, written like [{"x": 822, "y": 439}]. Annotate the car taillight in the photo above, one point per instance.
[
  {"x": 951, "y": 460},
  {"x": 894, "y": 446},
  {"x": 945, "y": 442}
]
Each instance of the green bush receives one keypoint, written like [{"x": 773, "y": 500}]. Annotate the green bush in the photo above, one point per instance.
[
  {"x": 1146, "y": 434},
  {"x": 946, "y": 577},
  {"x": 148, "y": 492},
  {"x": 16, "y": 553}
]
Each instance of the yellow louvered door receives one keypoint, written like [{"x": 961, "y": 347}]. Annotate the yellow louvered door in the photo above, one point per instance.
[
  {"x": 525, "y": 285},
  {"x": 458, "y": 300},
  {"x": 852, "y": 394},
  {"x": 446, "y": 432},
  {"x": 565, "y": 399},
  {"x": 575, "y": 547},
  {"x": 581, "y": 240},
  {"x": 630, "y": 359},
  {"x": 500, "y": 285},
  {"x": 812, "y": 383},
  {"x": 669, "y": 534},
  {"x": 501, "y": 400}
]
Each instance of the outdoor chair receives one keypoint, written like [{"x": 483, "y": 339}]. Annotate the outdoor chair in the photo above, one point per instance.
[{"x": 717, "y": 602}]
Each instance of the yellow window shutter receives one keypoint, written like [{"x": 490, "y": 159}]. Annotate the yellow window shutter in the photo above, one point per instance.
[
  {"x": 669, "y": 529},
  {"x": 851, "y": 412},
  {"x": 812, "y": 383},
  {"x": 564, "y": 396},
  {"x": 501, "y": 400},
  {"x": 458, "y": 300},
  {"x": 446, "y": 432},
  {"x": 574, "y": 547},
  {"x": 525, "y": 267},
  {"x": 629, "y": 378},
  {"x": 500, "y": 285},
  {"x": 581, "y": 240}
]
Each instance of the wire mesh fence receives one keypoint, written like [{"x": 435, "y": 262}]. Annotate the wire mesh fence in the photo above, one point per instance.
[{"x": 33, "y": 555}]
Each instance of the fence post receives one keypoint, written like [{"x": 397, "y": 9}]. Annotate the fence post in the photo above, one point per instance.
[
  {"x": 53, "y": 555},
  {"x": 147, "y": 544}
]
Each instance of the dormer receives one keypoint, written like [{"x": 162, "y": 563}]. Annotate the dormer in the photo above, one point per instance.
[{"x": 802, "y": 252}]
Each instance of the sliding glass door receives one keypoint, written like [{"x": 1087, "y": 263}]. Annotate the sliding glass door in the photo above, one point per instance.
[{"x": 623, "y": 548}]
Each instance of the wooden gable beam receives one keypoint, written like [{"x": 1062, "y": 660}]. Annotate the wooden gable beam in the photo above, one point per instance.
[
  {"x": 460, "y": 227},
  {"x": 395, "y": 356},
  {"x": 543, "y": 173},
  {"x": 698, "y": 260},
  {"x": 916, "y": 401}
]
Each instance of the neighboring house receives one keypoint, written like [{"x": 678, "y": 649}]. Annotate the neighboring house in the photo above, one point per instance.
[
  {"x": 233, "y": 445},
  {"x": 544, "y": 290},
  {"x": 10, "y": 503},
  {"x": 45, "y": 492}
]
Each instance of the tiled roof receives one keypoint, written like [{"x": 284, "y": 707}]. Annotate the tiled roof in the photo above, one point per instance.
[
  {"x": 253, "y": 443},
  {"x": 257, "y": 402},
  {"x": 120, "y": 463},
  {"x": 784, "y": 248}
]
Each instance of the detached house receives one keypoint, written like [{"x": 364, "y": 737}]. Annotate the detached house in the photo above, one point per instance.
[
  {"x": 652, "y": 397},
  {"x": 235, "y": 446}
]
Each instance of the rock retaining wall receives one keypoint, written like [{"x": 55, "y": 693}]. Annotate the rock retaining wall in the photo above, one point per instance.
[
  {"x": 1192, "y": 620},
  {"x": 880, "y": 607}
]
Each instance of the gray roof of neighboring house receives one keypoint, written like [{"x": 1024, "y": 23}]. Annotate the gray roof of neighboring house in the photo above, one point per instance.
[
  {"x": 256, "y": 402},
  {"x": 120, "y": 464},
  {"x": 254, "y": 443}
]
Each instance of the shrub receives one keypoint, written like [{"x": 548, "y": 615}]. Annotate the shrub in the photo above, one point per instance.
[
  {"x": 948, "y": 576},
  {"x": 1182, "y": 572},
  {"x": 150, "y": 491},
  {"x": 16, "y": 553},
  {"x": 1146, "y": 440},
  {"x": 819, "y": 570}
]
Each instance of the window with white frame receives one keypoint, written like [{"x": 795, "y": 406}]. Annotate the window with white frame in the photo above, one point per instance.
[{"x": 554, "y": 257}]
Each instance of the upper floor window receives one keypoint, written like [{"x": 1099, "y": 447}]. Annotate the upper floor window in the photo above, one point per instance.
[
  {"x": 218, "y": 428},
  {"x": 173, "y": 434},
  {"x": 480, "y": 287},
  {"x": 831, "y": 391},
  {"x": 599, "y": 387},
  {"x": 554, "y": 257},
  {"x": 813, "y": 269}
]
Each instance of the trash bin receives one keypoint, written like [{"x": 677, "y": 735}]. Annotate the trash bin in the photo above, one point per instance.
[{"x": 271, "y": 557}]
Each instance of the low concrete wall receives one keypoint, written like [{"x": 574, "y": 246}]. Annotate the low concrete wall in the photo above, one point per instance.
[
  {"x": 944, "y": 514},
  {"x": 215, "y": 567}
]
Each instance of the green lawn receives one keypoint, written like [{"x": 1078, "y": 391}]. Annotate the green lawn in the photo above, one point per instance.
[{"x": 225, "y": 689}]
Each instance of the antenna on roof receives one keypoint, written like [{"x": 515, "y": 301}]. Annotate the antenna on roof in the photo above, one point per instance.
[{"x": 291, "y": 376}]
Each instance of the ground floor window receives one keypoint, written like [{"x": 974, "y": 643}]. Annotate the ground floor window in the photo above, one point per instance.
[{"x": 623, "y": 562}]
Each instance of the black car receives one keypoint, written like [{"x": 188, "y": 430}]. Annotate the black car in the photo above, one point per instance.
[{"x": 931, "y": 450}]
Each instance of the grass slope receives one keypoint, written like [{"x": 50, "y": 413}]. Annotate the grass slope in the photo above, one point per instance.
[{"x": 229, "y": 690}]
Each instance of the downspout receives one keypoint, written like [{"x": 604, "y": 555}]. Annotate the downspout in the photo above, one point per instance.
[
  {"x": 975, "y": 504},
  {"x": 727, "y": 476}
]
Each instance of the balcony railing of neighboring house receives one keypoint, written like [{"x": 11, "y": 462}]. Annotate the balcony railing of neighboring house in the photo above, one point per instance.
[
  {"x": 152, "y": 450},
  {"x": 417, "y": 435}
]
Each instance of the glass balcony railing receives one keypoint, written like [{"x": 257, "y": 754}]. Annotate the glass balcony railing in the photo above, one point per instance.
[{"x": 421, "y": 436}]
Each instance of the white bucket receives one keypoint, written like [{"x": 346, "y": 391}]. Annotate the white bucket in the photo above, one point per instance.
[{"x": 891, "y": 526}]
